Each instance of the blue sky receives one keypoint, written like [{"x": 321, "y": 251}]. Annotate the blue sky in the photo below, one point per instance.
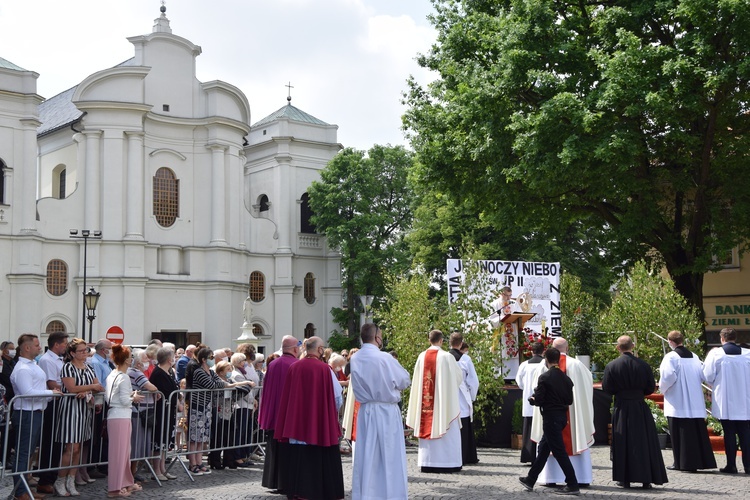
[{"x": 348, "y": 60}]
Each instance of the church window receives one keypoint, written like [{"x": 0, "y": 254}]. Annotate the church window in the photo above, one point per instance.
[
  {"x": 59, "y": 181},
  {"x": 257, "y": 330},
  {"x": 309, "y": 330},
  {"x": 57, "y": 277},
  {"x": 3, "y": 169},
  {"x": 306, "y": 213},
  {"x": 54, "y": 327},
  {"x": 309, "y": 288},
  {"x": 263, "y": 202},
  {"x": 166, "y": 197},
  {"x": 257, "y": 286}
]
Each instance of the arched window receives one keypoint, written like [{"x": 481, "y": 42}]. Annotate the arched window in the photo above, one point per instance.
[
  {"x": 257, "y": 330},
  {"x": 263, "y": 203},
  {"x": 309, "y": 288},
  {"x": 305, "y": 214},
  {"x": 54, "y": 327},
  {"x": 57, "y": 277},
  {"x": 166, "y": 197},
  {"x": 257, "y": 286},
  {"x": 309, "y": 330},
  {"x": 59, "y": 178},
  {"x": 3, "y": 168}
]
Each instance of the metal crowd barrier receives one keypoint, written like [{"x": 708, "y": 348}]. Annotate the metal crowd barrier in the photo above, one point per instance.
[
  {"x": 32, "y": 439},
  {"x": 233, "y": 429}
]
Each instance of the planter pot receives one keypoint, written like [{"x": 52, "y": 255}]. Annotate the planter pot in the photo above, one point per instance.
[
  {"x": 585, "y": 359},
  {"x": 516, "y": 441},
  {"x": 717, "y": 443},
  {"x": 662, "y": 441}
]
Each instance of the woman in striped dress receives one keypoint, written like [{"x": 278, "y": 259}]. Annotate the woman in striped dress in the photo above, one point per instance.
[{"x": 76, "y": 418}]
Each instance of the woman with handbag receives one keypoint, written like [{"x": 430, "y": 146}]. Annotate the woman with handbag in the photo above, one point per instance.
[
  {"x": 143, "y": 419},
  {"x": 76, "y": 417},
  {"x": 165, "y": 414},
  {"x": 121, "y": 397}
]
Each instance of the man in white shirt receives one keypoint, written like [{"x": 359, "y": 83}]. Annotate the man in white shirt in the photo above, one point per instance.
[
  {"x": 380, "y": 456},
  {"x": 28, "y": 380},
  {"x": 684, "y": 406},
  {"x": 50, "y": 449},
  {"x": 467, "y": 394}
]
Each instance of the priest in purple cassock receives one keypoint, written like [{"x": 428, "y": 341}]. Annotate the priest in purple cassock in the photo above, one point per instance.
[
  {"x": 308, "y": 419},
  {"x": 273, "y": 385}
]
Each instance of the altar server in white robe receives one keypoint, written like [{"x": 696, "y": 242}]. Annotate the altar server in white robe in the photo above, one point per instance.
[
  {"x": 681, "y": 374},
  {"x": 727, "y": 369},
  {"x": 525, "y": 379},
  {"x": 434, "y": 409},
  {"x": 467, "y": 395},
  {"x": 379, "y": 470},
  {"x": 578, "y": 435}
]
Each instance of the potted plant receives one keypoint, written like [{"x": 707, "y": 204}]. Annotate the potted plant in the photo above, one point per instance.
[
  {"x": 662, "y": 425},
  {"x": 516, "y": 425}
]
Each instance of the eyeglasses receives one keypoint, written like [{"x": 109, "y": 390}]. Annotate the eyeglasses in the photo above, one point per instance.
[
  {"x": 210, "y": 357},
  {"x": 80, "y": 351}
]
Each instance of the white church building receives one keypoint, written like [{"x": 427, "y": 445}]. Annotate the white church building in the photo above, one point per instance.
[{"x": 197, "y": 208}]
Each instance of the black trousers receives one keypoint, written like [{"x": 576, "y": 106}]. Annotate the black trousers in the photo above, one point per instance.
[
  {"x": 553, "y": 424},
  {"x": 732, "y": 429}
]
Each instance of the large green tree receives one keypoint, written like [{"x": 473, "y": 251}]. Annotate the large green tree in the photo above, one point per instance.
[
  {"x": 628, "y": 117},
  {"x": 362, "y": 205}
]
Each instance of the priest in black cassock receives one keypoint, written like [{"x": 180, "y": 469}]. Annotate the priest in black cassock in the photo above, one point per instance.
[{"x": 636, "y": 457}]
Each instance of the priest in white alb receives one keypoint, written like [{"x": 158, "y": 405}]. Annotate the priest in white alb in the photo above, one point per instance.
[
  {"x": 379, "y": 470},
  {"x": 685, "y": 407},
  {"x": 434, "y": 408},
  {"x": 578, "y": 435}
]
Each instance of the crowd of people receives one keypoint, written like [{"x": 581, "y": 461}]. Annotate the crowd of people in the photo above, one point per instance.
[
  {"x": 99, "y": 411},
  {"x": 105, "y": 411}
]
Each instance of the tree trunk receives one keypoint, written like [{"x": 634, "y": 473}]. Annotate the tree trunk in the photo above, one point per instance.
[
  {"x": 350, "y": 309},
  {"x": 690, "y": 286}
]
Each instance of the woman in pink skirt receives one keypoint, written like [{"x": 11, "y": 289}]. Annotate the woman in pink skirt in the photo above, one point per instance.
[{"x": 120, "y": 396}]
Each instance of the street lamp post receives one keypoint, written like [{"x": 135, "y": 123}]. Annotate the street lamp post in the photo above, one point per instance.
[
  {"x": 90, "y": 300},
  {"x": 85, "y": 235}
]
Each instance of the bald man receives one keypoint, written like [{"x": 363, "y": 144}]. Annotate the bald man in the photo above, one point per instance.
[
  {"x": 578, "y": 434},
  {"x": 184, "y": 360},
  {"x": 636, "y": 456},
  {"x": 273, "y": 384}
]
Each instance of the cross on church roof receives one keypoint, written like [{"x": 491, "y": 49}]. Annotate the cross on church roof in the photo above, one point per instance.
[
  {"x": 289, "y": 94},
  {"x": 163, "y": 8}
]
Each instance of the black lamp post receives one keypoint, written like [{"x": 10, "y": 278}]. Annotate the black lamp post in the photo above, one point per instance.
[
  {"x": 90, "y": 300},
  {"x": 85, "y": 235}
]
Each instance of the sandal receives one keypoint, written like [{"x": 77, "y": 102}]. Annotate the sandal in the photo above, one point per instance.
[
  {"x": 196, "y": 470},
  {"x": 122, "y": 493},
  {"x": 134, "y": 487}
]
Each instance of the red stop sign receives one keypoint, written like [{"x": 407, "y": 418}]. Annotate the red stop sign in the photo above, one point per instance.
[{"x": 115, "y": 335}]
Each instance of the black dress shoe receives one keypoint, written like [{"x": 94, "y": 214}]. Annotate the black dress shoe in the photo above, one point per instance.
[
  {"x": 728, "y": 470},
  {"x": 528, "y": 485},
  {"x": 671, "y": 467},
  {"x": 623, "y": 484},
  {"x": 567, "y": 491}
]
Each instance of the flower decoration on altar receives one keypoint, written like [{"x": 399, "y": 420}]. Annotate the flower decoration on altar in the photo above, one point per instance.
[
  {"x": 509, "y": 341},
  {"x": 529, "y": 337}
]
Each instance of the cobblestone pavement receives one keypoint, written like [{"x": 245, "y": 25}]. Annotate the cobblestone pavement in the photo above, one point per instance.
[{"x": 496, "y": 476}]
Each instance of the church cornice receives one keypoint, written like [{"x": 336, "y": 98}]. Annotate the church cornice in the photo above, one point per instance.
[
  {"x": 100, "y": 77},
  {"x": 196, "y": 50},
  {"x": 113, "y": 106},
  {"x": 200, "y": 122},
  {"x": 169, "y": 151}
]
